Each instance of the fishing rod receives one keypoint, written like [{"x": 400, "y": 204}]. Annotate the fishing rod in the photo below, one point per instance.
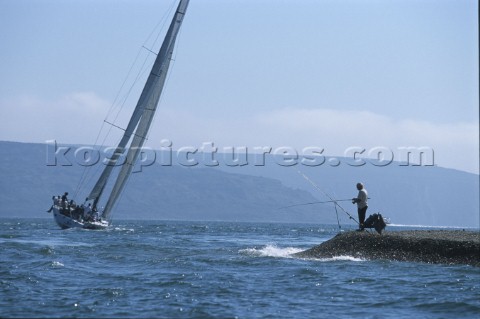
[
  {"x": 331, "y": 200},
  {"x": 322, "y": 202}
]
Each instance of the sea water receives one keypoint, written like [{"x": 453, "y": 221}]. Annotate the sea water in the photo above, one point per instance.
[{"x": 176, "y": 269}]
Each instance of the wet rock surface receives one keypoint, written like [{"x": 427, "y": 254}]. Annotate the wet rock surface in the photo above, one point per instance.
[{"x": 429, "y": 246}]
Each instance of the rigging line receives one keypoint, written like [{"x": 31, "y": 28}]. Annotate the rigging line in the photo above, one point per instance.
[
  {"x": 145, "y": 137},
  {"x": 107, "y": 134},
  {"x": 143, "y": 68},
  {"x": 141, "y": 71},
  {"x": 121, "y": 128},
  {"x": 148, "y": 50},
  {"x": 84, "y": 178},
  {"x": 169, "y": 74},
  {"x": 129, "y": 91},
  {"x": 127, "y": 94},
  {"x": 162, "y": 21},
  {"x": 117, "y": 96},
  {"x": 146, "y": 67},
  {"x": 155, "y": 113},
  {"x": 105, "y": 121}
]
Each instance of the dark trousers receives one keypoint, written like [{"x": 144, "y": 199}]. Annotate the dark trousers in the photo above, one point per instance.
[{"x": 361, "y": 215}]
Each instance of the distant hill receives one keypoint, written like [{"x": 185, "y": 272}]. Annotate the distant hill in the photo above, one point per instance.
[
  {"x": 158, "y": 192},
  {"x": 408, "y": 195},
  {"x": 413, "y": 195}
]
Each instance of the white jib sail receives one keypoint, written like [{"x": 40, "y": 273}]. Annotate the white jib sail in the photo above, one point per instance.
[{"x": 148, "y": 104}]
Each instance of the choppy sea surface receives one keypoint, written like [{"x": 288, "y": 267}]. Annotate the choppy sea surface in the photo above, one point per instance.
[{"x": 182, "y": 269}]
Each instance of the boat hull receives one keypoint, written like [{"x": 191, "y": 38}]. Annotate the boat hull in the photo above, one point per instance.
[{"x": 66, "y": 222}]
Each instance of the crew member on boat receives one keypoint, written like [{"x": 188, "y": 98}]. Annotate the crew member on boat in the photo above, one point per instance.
[
  {"x": 87, "y": 212},
  {"x": 65, "y": 200},
  {"x": 54, "y": 198}
]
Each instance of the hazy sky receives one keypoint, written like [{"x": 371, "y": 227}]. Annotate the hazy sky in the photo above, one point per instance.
[{"x": 331, "y": 74}]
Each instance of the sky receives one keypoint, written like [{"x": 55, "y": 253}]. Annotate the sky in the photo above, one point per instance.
[{"x": 331, "y": 74}]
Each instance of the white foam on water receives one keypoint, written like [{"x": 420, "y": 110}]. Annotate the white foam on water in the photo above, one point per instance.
[
  {"x": 271, "y": 251},
  {"x": 57, "y": 264},
  {"x": 340, "y": 258},
  {"x": 288, "y": 252},
  {"x": 122, "y": 229}
]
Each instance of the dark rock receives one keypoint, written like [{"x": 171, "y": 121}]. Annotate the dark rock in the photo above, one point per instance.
[{"x": 430, "y": 246}]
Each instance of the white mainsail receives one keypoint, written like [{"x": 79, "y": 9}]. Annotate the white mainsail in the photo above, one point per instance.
[{"x": 141, "y": 118}]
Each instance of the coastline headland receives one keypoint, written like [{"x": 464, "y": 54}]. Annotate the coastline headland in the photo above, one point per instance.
[{"x": 428, "y": 246}]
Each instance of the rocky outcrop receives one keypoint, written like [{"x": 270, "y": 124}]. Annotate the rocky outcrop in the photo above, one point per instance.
[{"x": 429, "y": 246}]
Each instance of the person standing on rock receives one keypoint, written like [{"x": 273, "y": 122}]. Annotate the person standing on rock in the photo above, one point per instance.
[{"x": 362, "y": 205}]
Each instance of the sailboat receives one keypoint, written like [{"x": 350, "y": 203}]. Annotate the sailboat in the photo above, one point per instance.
[{"x": 69, "y": 215}]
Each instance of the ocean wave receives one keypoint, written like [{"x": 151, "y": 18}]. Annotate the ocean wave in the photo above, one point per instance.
[
  {"x": 338, "y": 258},
  {"x": 57, "y": 264},
  {"x": 120, "y": 229},
  {"x": 288, "y": 252},
  {"x": 271, "y": 251}
]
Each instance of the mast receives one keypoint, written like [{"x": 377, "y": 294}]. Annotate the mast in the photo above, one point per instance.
[{"x": 142, "y": 116}]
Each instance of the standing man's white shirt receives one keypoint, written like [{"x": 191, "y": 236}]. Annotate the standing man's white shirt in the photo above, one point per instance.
[{"x": 362, "y": 196}]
